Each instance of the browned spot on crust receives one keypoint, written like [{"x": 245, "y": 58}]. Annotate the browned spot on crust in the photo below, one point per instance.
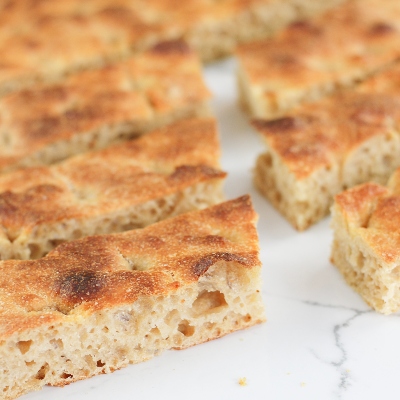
[
  {"x": 201, "y": 267},
  {"x": 280, "y": 125},
  {"x": 45, "y": 127},
  {"x": 185, "y": 172},
  {"x": 208, "y": 240},
  {"x": 305, "y": 26},
  {"x": 172, "y": 46},
  {"x": 381, "y": 28},
  {"x": 80, "y": 285}
]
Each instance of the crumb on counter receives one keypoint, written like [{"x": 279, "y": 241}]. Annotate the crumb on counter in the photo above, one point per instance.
[{"x": 243, "y": 381}]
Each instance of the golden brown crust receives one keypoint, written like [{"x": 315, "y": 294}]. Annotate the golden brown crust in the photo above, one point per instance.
[
  {"x": 69, "y": 35},
  {"x": 99, "y": 183},
  {"x": 366, "y": 221},
  {"x": 321, "y": 134},
  {"x": 372, "y": 212},
  {"x": 95, "y": 273},
  {"x": 315, "y": 57},
  {"x": 93, "y": 108}
]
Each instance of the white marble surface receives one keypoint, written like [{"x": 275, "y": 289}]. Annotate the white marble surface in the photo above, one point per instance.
[{"x": 321, "y": 341}]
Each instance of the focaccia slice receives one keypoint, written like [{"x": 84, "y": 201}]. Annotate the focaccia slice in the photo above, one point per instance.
[
  {"x": 97, "y": 304},
  {"x": 127, "y": 186},
  {"x": 94, "y": 108},
  {"x": 366, "y": 247},
  {"x": 315, "y": 57},
  {"x": 327, "y": 146},
  {"x": 44, "y": 40}
]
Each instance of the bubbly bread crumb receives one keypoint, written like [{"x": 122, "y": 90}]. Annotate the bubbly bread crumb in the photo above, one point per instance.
[
  {"x": 98, "y": 304},
  {"x": 167, "y": 172},
  {"x": 333, "y": 144},
  {"x": 366, "y": 226}
]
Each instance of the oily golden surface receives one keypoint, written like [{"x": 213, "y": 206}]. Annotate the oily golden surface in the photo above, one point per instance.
[
  {"x": 100, "y": 272},
  {"x": 322, "y": 134},
  {"x": 101, "y": 182},
  {"x": 128, "y": 97},
  {"x": 312, "y": 57}
]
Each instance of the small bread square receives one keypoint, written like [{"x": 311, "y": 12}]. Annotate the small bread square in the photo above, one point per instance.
[
  {"x": 92, "y": 109},
  {"x": 366, "y": 246},
  {"x": 315, "y": 57},
  {"x": 325, "y": 147},
  {"x": 130, "y": 185},
  {"x": 95, "y": 305},
  {"x": 44, "y": 40}
]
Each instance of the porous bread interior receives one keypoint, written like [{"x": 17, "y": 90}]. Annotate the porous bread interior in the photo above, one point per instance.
[
  {"x": 38, "y": 241},
  {"x": 376, "y": 281},
  {"x": 105, "y": 136},
  {"x": 304, "y": 201},
  {"x": 225, "y": 299}
]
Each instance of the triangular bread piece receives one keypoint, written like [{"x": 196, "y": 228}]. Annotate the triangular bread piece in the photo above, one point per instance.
[{"x": 95, "y": 305}]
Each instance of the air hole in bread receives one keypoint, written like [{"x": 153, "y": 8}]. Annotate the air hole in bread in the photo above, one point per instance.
[
  {"x": 66, "y": 376},
  {"x": 100, "y": 364},
  {"x": 185, "y": 328},
  {"x": 24, "y": 345},
  {"x": 57, "y": 343},
  {"x": 35, "y": 250},
  {"x": 42, "y": 371},
  {"x": 208, "y": 302}
]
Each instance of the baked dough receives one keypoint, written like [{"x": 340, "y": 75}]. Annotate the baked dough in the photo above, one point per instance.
[
  {"x": 41, "y": 40},
  {"x": 130, "y": 185},
  {"x": 92, "y": 109},
  {"x": 315, "y": 57},
  {"x": 325, "y": 147},
  {"x": 97, "y": 304},
  {"x": 366, "y": 247}
]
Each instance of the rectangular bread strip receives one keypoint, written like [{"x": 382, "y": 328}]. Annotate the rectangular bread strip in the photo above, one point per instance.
[
  {"x": 315, "y": 57},
  {"x": 41, "y": 40},
  {"x": 92, "y": 109},
  {"x": 366, "y": 246},
  {"x": 130, "y": 185},
  {"x": 97, "y": 304},
  {"x": 324, "y": 147}
]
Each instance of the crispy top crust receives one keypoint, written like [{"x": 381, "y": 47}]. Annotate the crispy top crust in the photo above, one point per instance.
[
  {"x": 100, "y": 272},
  {"x": 320, "y": 134},
  {"x": 162, "y": 80},
  {"x": 372, "y": 212},
  {"x": 360, "y": 35},
  {"x": 150, "y": 167},
  {"x": 46, "y": 37}
]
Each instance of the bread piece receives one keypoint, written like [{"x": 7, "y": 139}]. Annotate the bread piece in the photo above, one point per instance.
[
  {"x": 315, "y": 57},
  {"x": 366, "y": 246},
  {"x": 97, "y": 304},
  {"x": 327, "y": 146},
  {"x": 94, "y": 108},
  {"x": 42, "y": 40},
  {"x": 130, "y": 185}
]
